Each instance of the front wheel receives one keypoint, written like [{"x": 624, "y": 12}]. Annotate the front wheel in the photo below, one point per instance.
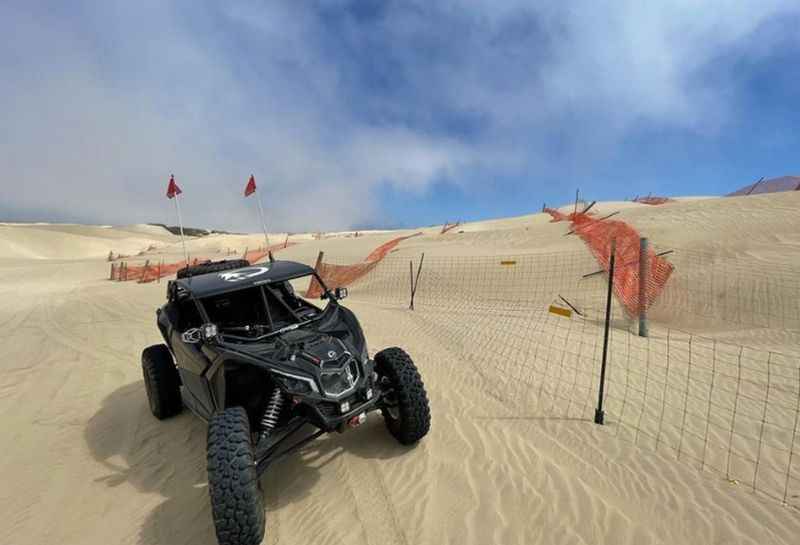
[
  {"x": 405, "y": 404},
  {"x": 237, "y": 505},
  {"x": 161, "y": 382}
]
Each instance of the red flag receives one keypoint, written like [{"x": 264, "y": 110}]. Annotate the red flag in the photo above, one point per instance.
[
  {"x": 172, "y": 188},
  {"x": 251, "y": 186}
]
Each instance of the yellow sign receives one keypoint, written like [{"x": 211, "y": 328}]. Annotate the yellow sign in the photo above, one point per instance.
[
  {"x": 508, "y": 262},
  {"x": 560, "y": 311}
]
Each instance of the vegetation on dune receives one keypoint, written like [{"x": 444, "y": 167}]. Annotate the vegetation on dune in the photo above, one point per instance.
[{"x": 192, "y": 231}]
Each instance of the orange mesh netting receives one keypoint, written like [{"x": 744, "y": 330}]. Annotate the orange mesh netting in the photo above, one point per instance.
[
  {"x": 598, "y": 234},
  {"x": 150, "y": 272},
  {"x": 336, "y": 276},
  {"x": 560, "y": 216},
  {"x": 254, "y": 256}
]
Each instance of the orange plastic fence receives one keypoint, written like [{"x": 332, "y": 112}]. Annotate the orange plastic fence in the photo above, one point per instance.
[
  {"x": 254, "y": 256},
  {"x": 336, "y": 276},
  {"x": 598, "y": 234},
  {"x": 560, "y": 216},
  {"x": 150, "y": 272}
]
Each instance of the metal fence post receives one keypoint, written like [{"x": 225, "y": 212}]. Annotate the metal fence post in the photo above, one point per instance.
[
  {"x": 643, "y": 275},
  {"x": 411, "y": 285},
  {"x": 419, "y": 270},
  {"x": 599, "y": 415},
  {"x": 414, "y": 281}
]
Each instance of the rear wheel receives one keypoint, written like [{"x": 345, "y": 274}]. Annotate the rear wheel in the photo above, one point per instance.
[
  {"x": 237, "y": 505},
  {"x": 212, "y": 267},
  {"x": 405, "y": 405},
  {"x": 161, "y": 381}
]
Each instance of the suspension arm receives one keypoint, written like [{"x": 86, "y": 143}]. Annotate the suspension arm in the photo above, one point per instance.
[{"x": 273, "y": 454}]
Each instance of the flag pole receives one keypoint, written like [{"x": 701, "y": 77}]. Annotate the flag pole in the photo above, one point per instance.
[
  {"x": 180, "y": 225},
  {"x": 261, "y": 213}
]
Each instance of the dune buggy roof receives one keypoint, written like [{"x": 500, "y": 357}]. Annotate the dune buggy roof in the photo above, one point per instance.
[{"x": 205, "y": 285}]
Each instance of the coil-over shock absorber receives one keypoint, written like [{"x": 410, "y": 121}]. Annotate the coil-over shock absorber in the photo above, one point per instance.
[{"x": 271, "y": 414}]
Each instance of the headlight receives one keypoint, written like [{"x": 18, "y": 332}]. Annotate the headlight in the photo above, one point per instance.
[
  {"x": 296, "y": 384},
  {"x": 339, "y": 377}
]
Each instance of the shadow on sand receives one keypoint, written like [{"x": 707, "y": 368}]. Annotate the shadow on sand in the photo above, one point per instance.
[{"x": 169, "y": 458}]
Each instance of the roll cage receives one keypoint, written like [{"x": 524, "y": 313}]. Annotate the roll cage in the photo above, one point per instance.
[{"x": 275, "y": 308}]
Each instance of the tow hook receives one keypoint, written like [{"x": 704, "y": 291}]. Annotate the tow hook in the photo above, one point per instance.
[{"x": 357, "y": 420}]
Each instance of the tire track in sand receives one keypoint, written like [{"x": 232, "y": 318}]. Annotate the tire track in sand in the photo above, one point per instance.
[{"x": 375, "y": 510}]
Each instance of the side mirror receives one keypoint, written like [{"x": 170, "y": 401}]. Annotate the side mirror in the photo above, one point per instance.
[
  {"x": 205, "y": 333},
  {"x": 172, "y": 291},
  {"x": 340, "y": 293}
]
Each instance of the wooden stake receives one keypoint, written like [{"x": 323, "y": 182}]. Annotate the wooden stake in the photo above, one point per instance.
[
  {"x": 577, "y": 193},
  {"x": 319, "y": 261},
  {"x": 143, "y": 278}
]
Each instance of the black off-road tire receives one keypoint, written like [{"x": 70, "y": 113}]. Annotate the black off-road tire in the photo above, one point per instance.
[
  {"x": 212, "y": 267},
  {"x": 161, "y": 381},
  {"x": 237, "y": 504},
  {"x": 412, "y": 418}
]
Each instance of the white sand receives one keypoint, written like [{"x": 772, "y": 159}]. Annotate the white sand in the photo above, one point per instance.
[{"x": 84, "y": 462}]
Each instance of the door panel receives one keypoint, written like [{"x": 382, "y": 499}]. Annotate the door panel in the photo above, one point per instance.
[
  {"x": 191, "y": 366},
  {"x": 196, "y": 394}
]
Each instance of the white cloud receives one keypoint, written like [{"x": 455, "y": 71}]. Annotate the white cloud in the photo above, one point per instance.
[{"x": 102, "y": 102}]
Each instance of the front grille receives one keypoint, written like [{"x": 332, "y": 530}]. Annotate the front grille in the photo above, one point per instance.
[
  {"x": 339, "y": 376},
  {"x": 328, "y": 410}
]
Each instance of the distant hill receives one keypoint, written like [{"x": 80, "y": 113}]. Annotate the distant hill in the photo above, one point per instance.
[
  {"x": 192, "y": 231},
  {"x": 773, "y": 185}
]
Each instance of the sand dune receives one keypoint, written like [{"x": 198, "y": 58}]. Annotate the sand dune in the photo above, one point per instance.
[
  {"x": 85, "y": 462},
  {"x": 67, "y": 241}
]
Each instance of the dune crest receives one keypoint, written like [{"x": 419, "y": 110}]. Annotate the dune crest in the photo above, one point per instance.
[{"x": 84, "y": 461}]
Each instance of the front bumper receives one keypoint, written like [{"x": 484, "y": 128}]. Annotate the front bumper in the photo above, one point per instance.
[
  {"x": 327, "y": 415},
  {"x": 274, "y": 447}
]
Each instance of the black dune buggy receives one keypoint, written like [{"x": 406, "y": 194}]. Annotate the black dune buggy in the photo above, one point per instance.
[{"x": 259, "y": 363}]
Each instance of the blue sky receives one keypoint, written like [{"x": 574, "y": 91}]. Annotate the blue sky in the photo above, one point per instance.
[{"x": 387, "y": 113}]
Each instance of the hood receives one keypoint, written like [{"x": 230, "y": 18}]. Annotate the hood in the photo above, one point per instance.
[{"x": 309, "y": 347}]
